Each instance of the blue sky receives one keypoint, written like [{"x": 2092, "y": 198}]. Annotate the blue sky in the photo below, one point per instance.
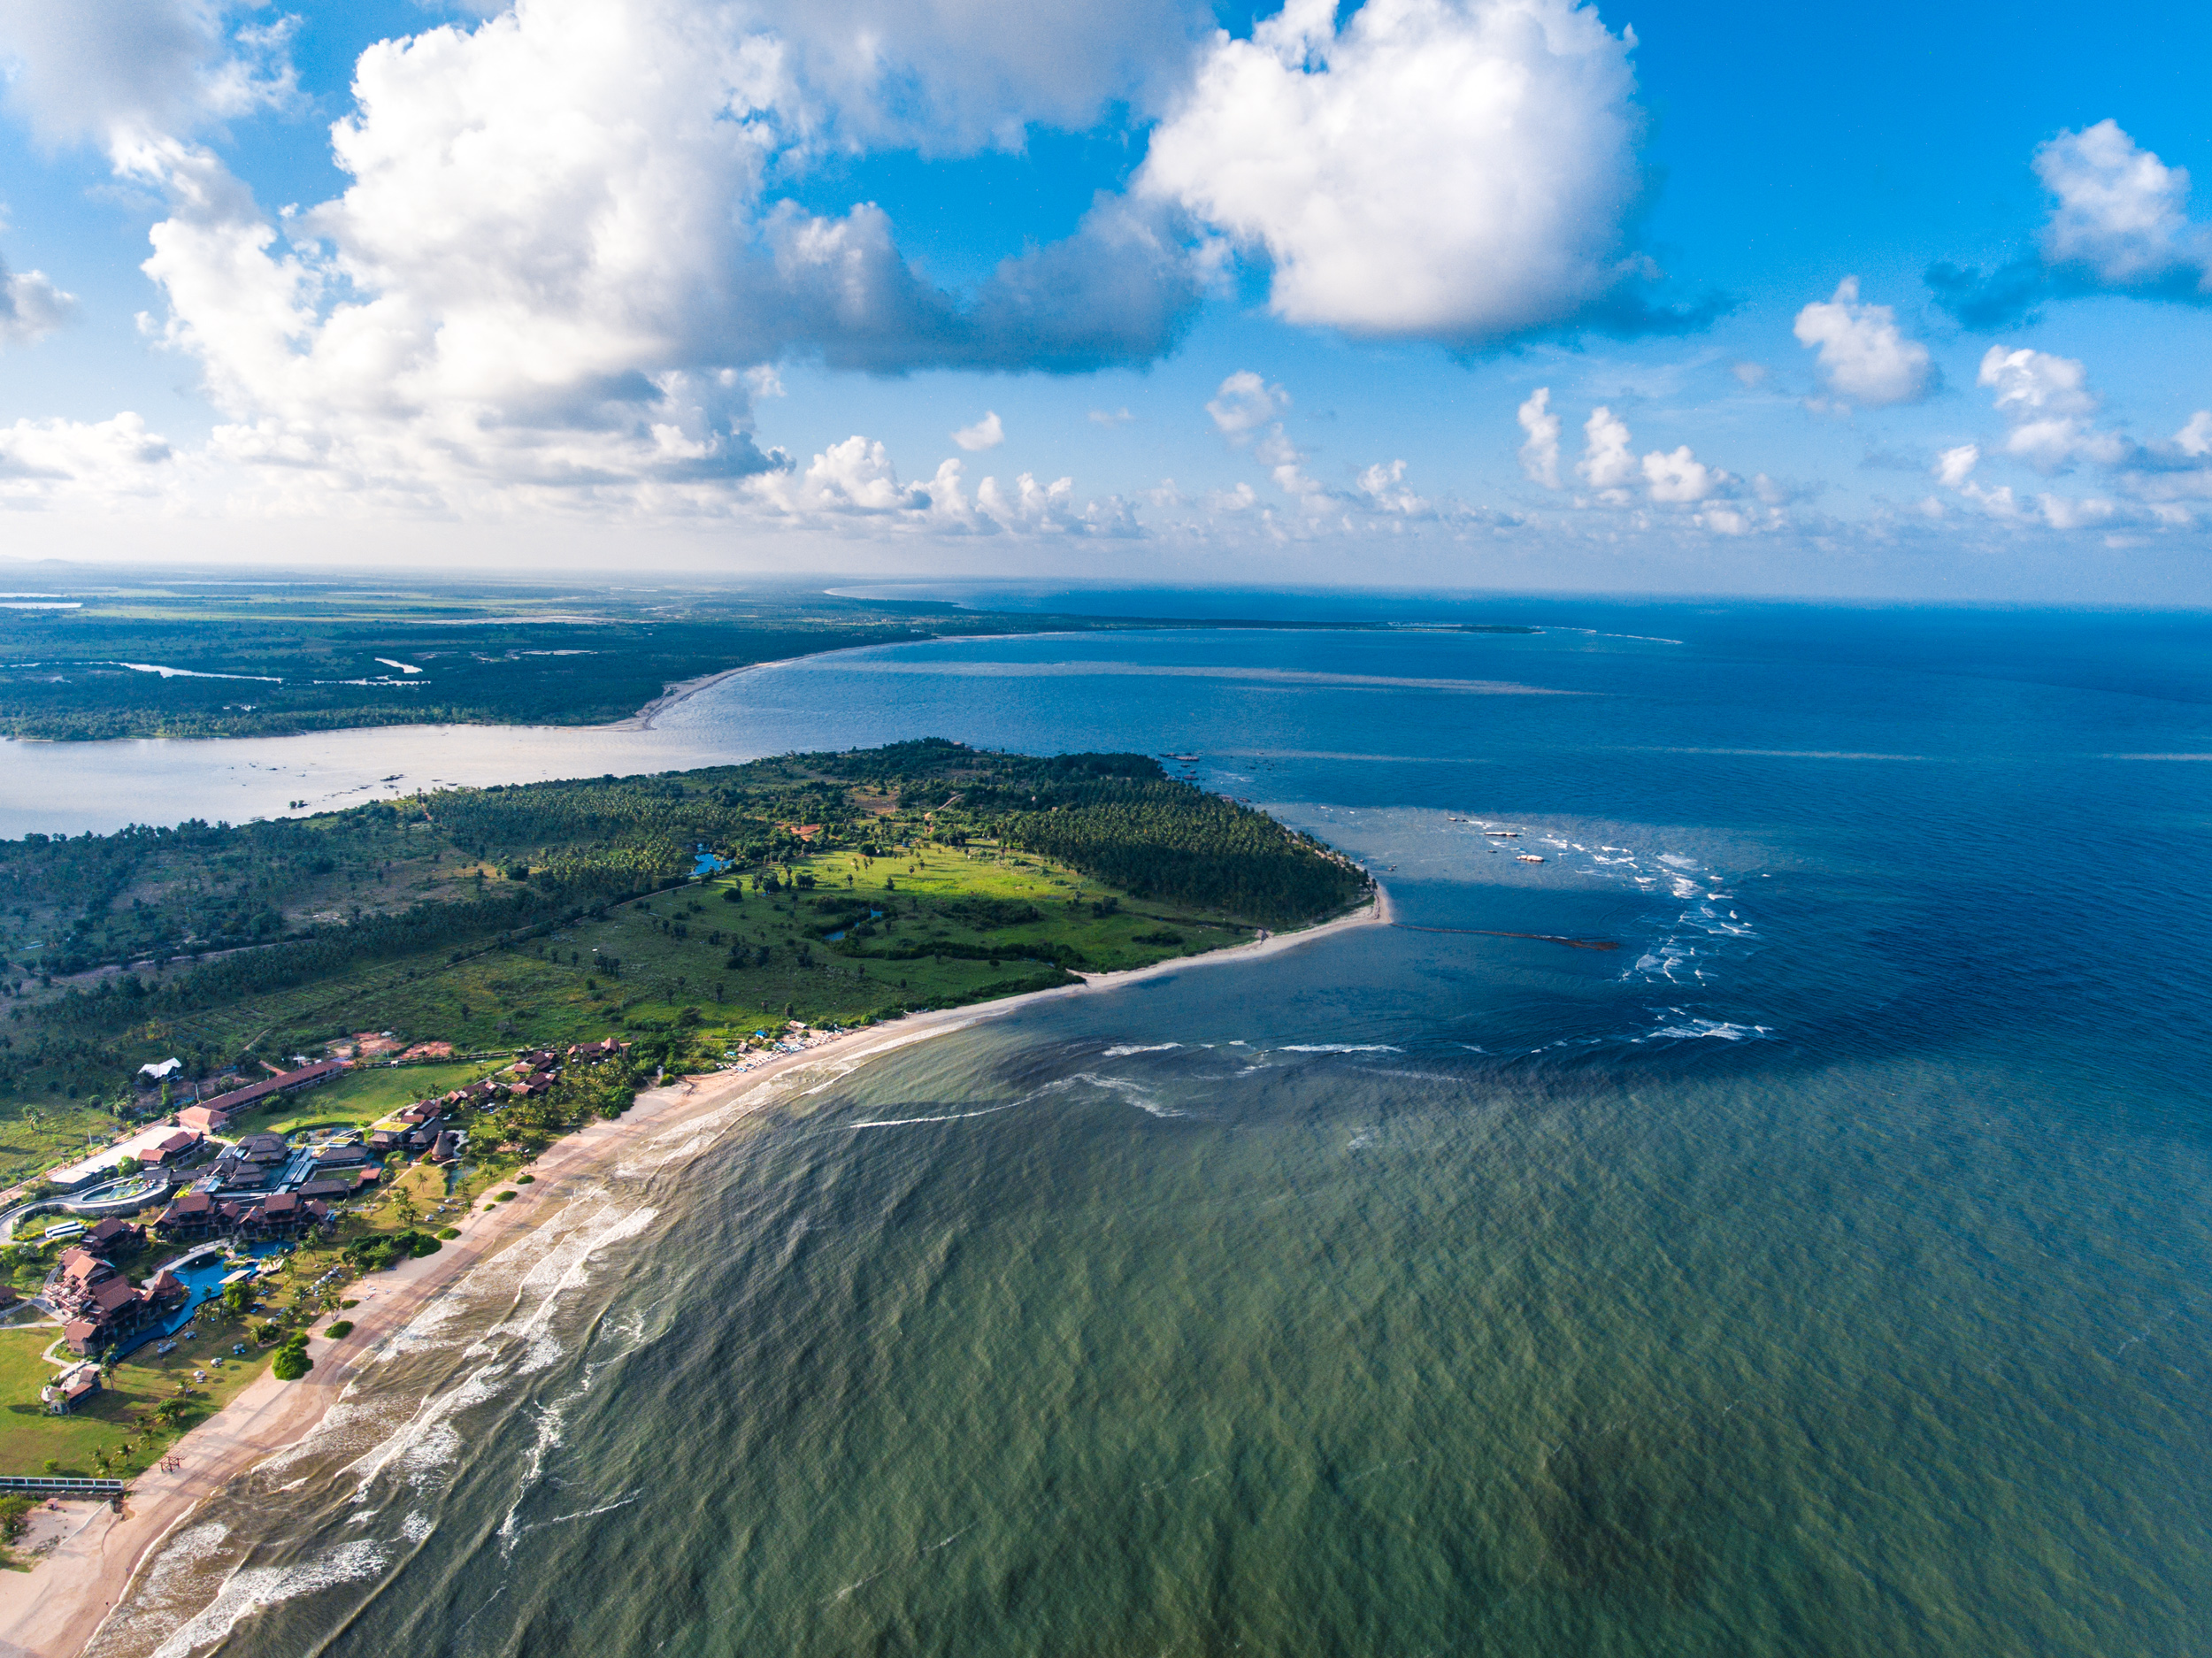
[{"x": 717, "y": 284}]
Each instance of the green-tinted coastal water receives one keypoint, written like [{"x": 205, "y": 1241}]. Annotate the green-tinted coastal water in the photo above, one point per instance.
[{"x": 1823, "y": 1273}]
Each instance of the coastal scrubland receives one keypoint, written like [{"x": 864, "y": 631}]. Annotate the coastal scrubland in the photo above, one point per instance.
[{"x": 689, "y": 915}]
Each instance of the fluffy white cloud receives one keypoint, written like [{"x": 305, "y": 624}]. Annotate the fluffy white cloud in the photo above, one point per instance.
[
  {"x": 1539, "y": 455},
  {"x": 1679, "y": 477},
  {"x": 986, "y": 434},
  {"x": 1606, "y": 463},
  {"x": 1449, "y": 169},
  {"x": 47, "y": 460},
  {"x": 1862, "y": 355},
  {"x": 1383, "y": 485},
  {"x": 2031, "y": 384},
  {"x": 2068, "y": 512},
  {"x": 2120, "y": 216},
  {"x": 127, "y": 69},
  {"x": 2047, "y": 401},
  {"x": 31, "y": 307},
  {"x": 853, "y": 485},
  {"x": 951, "y": 76},
  {"x": 1243, "y": 404},
  {"x": 1954, "y": 467},
  {"x": 2048, "y": 406},
  {"x": 558, "y": 269},
  {"x": 2119, "y": 223}
]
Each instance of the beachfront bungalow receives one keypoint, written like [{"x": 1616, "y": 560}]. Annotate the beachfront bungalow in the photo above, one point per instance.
[
  {"x": 70, "y": 1389},
  {"x": 447, "y": 1148},
  {"x": 329, "y": 1159},
  {"x": 326, "y": 1186}
]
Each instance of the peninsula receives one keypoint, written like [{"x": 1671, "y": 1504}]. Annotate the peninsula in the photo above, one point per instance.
[{"x": 325, "y": 1063}]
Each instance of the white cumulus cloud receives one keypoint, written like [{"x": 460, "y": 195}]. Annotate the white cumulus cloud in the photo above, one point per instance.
[
  {"x": 31, "y": 307},
  {"x": 1862, "y": 353},
  {"x": 1448, "y": 169},
  {"x": 2047, "y": 401},
  {"x": 2120, "y": 216},
  {"x": 986, "y": 434},
  {"x": 1539, "y": 455},
  {"x": 44, "y": 460},
  {"x": 1954, "y": 467},
  {"x": 560, "y": 268},
  {"x": 119, "y": 70},
  {"x": 1679, "y": 477},
  {"x": 1606, "y": 463},
  {"x": 1243, "y": 404}
]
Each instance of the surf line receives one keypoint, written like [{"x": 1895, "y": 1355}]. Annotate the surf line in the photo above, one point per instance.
[{"x": 1541, "y": 938}]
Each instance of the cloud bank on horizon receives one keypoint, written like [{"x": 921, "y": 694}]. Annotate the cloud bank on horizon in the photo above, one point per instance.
[{"x": 716, "y": 267}]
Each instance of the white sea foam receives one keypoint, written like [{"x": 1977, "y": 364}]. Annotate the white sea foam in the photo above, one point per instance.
[
  {"x": 1340, "y": 1047},
  {"x": 949, "y": 1117},
  {"x": 426, "y": 1444},
  {"x": 1694, "y": 1029},
  {"x": 173, "y": 1586},
  {"x": 255, "y": 1587},
  {"x": 1127, "y": 1049},
  {"x": 1135, "y": 1092}
]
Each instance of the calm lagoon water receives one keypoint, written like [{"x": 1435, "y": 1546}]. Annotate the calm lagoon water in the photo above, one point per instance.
[{"x": 1824, "y": 1271}]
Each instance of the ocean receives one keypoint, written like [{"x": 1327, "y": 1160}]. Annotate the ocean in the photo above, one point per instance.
[{"x": 1822, "y": 1269}]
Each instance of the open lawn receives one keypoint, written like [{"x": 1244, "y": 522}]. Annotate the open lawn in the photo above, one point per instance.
[
  {"x": 361, "y": 1097},
  {"x": 119, "y": 1422}
]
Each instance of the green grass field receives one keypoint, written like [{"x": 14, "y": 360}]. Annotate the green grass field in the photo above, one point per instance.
[
  {"x": 674, "y": 948},
  {"x": 119, "y": 1422},
  {"x": 362, "y": 1096}
]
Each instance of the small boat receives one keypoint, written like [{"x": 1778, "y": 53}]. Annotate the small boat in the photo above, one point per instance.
[
  {"x": 1503, "y": 834},
  {"x": 1528, "y": 857}
]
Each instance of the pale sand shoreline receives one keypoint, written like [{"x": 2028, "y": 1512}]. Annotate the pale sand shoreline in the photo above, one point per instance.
[{"x": 58, "y": 1606}]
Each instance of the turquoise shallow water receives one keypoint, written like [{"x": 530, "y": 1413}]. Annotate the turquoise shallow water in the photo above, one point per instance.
[{"x": 1821, "y": 1272}]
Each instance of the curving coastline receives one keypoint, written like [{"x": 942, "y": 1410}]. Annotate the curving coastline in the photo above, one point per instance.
[{"x": 54, "y": 1611}]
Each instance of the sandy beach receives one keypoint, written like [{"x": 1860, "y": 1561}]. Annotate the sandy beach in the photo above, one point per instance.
[{"x": 54, "y": 1610}]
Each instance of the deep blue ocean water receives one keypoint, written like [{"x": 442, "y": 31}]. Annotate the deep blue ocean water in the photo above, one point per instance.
[{"x": 1822, "y": 1271}]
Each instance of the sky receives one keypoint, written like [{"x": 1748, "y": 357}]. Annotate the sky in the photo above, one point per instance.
[{"x": 1905, "y": 301}]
